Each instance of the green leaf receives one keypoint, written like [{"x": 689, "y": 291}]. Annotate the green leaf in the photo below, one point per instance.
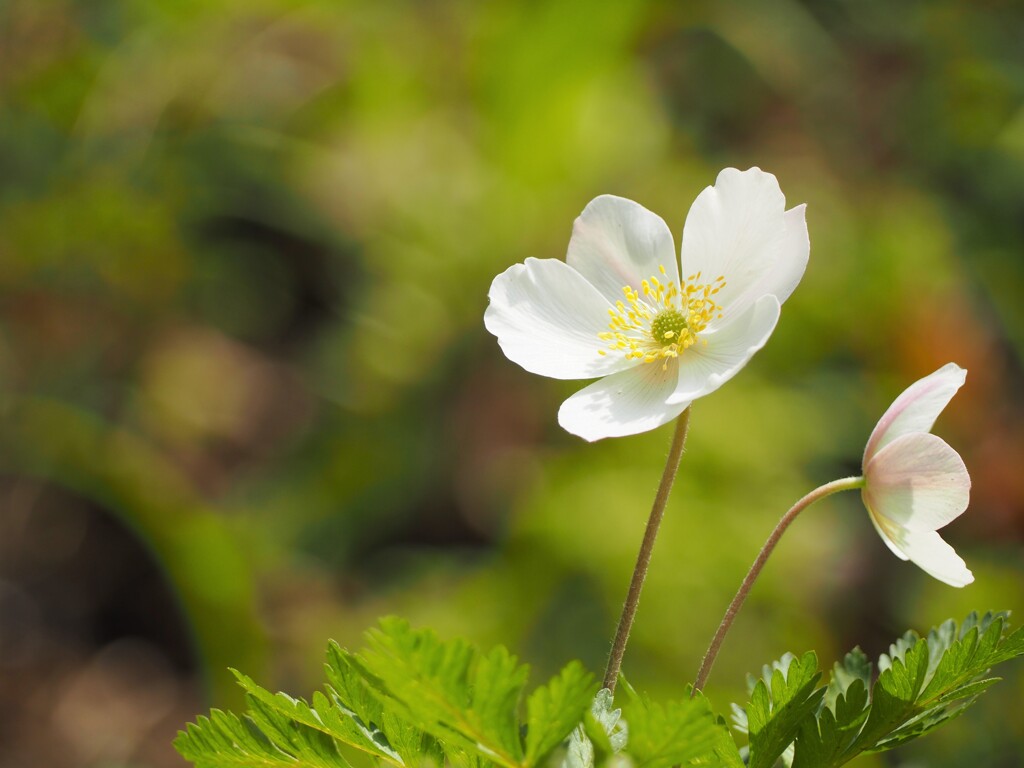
[
  {"x": 822, "y": 740},
  {"x": 274, "y": 712},
  {"x": 365, "y": 723},
  {"x": 924, "y": 683},
  {"x": 450, "y": 689},
  {"x": 895, "y": 694},
  {"x": 411, "y": 699},
  {"x": 553, "y": 710},
  {"x": 779, "y": 703},
  {"x": 224, "y": 740},
  {"x": 312, "y": 746},
  {"x": 684, "y": 732},
  {"x": 854, "y": 666}
]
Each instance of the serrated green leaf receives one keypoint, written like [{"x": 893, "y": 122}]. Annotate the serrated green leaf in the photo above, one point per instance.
[
  {"x": 553, "y": 710},
  {"x": 968, "y": 690},
  {"x": 413, "y": 699},
  {"x": 894, "y": 695},
  {"x": 224, "y": 740},
  {"x": 854, "y": 666},
  {"x": 924, "y": 683},
  {"x": 311, "y": 746},
  {"x": 290, "y": 709},
  {"x": 410, "y": 700},
  {"x": 674, "y": 733},
  {"x": 726, "y": 753},
  {"x": 778, "y": 707},
  {"x": 822, "y": 740},
  {"x": 364, "y": 723},
  {"x": 462, "y": 696}
]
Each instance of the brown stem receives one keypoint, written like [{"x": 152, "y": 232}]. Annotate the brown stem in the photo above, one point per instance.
[
  {"x": 643, "y": 559},
  {"x": 846, "y": 484}
]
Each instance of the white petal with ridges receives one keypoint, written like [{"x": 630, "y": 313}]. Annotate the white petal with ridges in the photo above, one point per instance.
[
  {"x": 917, "y": 408},
  {"x": 547, "y": 318},
  {"x": 918, "y": 482},
  {"x": 731, "y": 344},
  {"x": 928, "y": 551},
  {"x": 616, "y": 242},
  {"x": 625, "y": 403},
  {"x": 739, "y": 228}
]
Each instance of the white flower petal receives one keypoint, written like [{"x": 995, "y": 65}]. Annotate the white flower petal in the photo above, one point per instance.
[
  {"x": 739, "y": 228},
  {"x": 888, "y": 530},
  {"x": 625, "y": 403},
  {"x": 794, "y": 252},
  {"x": 547, "y": 318},
  {"x": 928, "y": 551},
  {"x": 918, "y": 482},
  {"x": 917, "y": 408},
  {"x": 730, "y": 345},
  {"x": 616, "y": 242}
]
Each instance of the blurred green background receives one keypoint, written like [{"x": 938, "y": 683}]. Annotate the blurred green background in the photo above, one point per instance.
[{"x": 249, "y": 403}]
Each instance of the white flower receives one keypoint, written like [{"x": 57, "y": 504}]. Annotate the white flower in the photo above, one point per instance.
[
  {"x": 914, "y": 483},
  {"x": 617, "y": 308}
]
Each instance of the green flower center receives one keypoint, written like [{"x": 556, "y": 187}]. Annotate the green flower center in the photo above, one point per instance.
[
  {"x": 661, "y": 320},
  {"x": 668, "y": 326}
]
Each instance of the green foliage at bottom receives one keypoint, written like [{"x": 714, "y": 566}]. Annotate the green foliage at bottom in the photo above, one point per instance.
[
  {"x": 923, "y": 682},
  {"x": 412, "y": 699},
  {"x": 409, "y": 699}
]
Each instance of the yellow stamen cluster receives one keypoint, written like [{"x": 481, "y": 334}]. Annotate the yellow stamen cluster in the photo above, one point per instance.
[{"x": 661, "y": 320}]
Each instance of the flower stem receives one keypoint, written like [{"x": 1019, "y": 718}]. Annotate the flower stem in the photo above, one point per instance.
[
  {"x": 846, "y": 484},
  {"x": 643, "y": 559}
]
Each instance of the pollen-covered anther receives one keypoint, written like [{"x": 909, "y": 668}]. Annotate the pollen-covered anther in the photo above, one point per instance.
[{"x": 661, "y": 320}]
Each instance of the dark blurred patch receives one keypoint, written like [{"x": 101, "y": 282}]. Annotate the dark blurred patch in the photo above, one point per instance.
[
  {"x": 271, "y": 284},
  {"x": 712, "y": 93},
  {"x": 96, "y": 663},
  {"x": 267, "y": 269},
  {"x": 445, "y": 483},
  {"x": 571, "y": 624}
]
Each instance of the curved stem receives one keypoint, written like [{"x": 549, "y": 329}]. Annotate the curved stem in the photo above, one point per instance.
[
  {"x": 846, "y": 484},
  {"x": 675, "y": 453}
]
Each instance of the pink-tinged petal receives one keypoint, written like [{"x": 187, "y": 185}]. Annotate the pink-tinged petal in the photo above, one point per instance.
[
  {"x": 928, "y": 551},
  {"x": 616, "y": 242},
  {"x": 625, "y": 403},
  {"x": 739, "y": 228},
  {"x": 917, "y": 482},
  {"x": 547, "y": 318},
  {"x": 730, "y": 345},
  {"x": 917, "y": 408}
]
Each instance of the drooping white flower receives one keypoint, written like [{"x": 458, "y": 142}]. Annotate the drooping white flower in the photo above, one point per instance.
[
  {"x": 914, "y": 483},
  {"x": 617, "y": 308}
]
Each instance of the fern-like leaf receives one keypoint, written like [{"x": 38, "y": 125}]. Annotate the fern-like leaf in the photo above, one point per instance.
[
  {"x": 466, "y": 698},
  {"x": 409, "y": 700},
  {"x": 780, "y": 701},
  {"x": 924, "y": 682}
]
